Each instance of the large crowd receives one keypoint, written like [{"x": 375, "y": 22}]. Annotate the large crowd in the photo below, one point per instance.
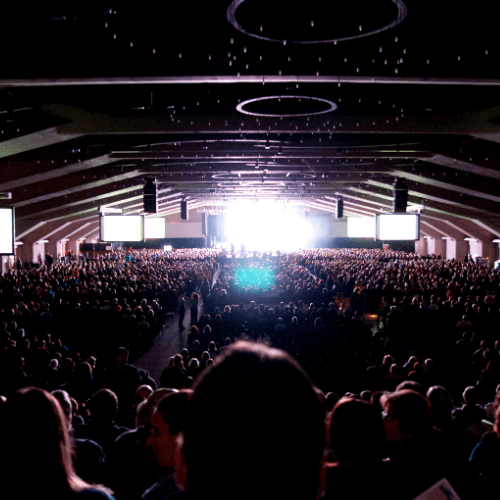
[{"x": 354, "y": 373}]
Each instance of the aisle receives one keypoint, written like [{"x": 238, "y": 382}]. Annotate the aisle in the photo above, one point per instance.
[{"x": 169, "y": 342}]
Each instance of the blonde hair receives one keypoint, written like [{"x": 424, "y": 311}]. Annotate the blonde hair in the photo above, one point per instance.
[{"x": 35, "y": 443}]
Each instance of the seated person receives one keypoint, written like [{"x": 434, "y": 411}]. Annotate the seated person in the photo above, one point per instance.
[
  {"x": 88, "y": 457},
  {"x": 357, "y": 440},
  {"x": 102, "y": 429},
  {"x": 421, "y": 449},
  {"x": 485, "y": 459},
  {"x": 166, "y": 424},
  {"x": 36, "y": 450},
  {"x": 269, "y": 426},
  {"x": 132, "y": 467}
]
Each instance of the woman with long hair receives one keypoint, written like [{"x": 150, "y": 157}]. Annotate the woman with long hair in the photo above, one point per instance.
[{"x": 36, "y": 449}]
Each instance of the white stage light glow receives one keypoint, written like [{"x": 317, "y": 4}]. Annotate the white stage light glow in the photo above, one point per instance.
[{"x": 266, "y": 226}]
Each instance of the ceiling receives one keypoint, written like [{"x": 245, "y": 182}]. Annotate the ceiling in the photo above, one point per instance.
[{"x": 222, "y": 100}]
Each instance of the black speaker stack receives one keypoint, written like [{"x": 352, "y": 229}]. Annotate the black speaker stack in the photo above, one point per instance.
[
  {"x": 400, "y": 196},
  {"x": 184, "y": 210},
  {"x": 150, "y": 199},
  {"x": 203, "y": 223},
  {"x": 340, "y": 208}
]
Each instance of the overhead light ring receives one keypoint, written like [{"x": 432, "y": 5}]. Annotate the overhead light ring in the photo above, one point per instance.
[{"x": 400, "y": 17}]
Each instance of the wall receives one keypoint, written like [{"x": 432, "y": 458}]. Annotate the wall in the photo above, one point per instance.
[
  {"x": 420, "y": 246},
  {"x": 183, "y": 230},
  {"x": 338, "y": 227},
  {"x": 476, "y": 248},
  {"x": 52, "y": 248},
  {"x": 451, "y": 249},
  {"x": 193, "y": 216},
  {"x": 440, "y": 247},
  {"x": 431, "y": 245},
  {"x": 462, "y": 249},
  {"x": 38, "y": 249}
]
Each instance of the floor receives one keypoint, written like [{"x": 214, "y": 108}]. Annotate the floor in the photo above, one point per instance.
[{"x": 171, "y": 341}]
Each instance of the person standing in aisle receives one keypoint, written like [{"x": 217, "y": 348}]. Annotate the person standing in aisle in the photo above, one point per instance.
[
  {"x": 181, "y": 309},
  {"x": 194, "y": 308}
]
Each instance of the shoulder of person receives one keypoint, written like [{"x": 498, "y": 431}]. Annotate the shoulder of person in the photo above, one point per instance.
[
  {"x": 93, "y": 494},
  {"x": 163, "y": 489}
]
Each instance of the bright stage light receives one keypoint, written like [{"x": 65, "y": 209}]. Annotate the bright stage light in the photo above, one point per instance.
[{"x": 266, "y": 226}]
